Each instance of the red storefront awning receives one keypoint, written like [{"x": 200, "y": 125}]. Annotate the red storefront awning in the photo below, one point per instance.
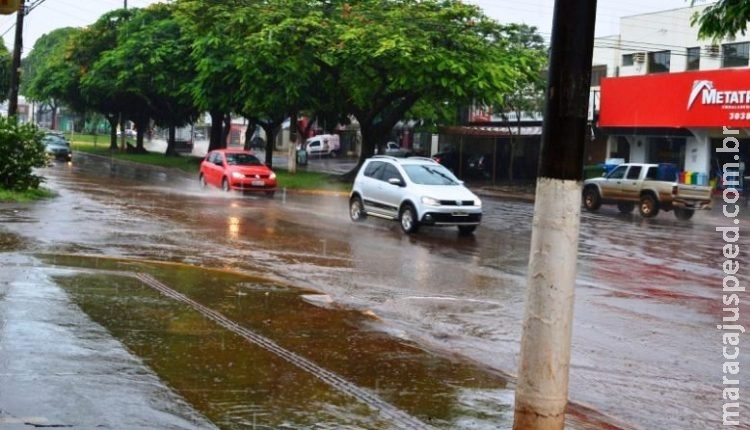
[{"x": 713, "y": 98}]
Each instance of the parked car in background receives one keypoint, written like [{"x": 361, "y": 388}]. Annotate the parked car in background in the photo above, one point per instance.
[
  {"x": 128, "y": 132},
  {"x": 57, "y": 147},
  {"x": 393, "y": 149},
  {"x": 448, "y": 158},
  {"x": 479, "y": 166},
  {"x": 415, "y": 191},
  {"x": 238, "y": 170},
  {"x": 328, "y": 145}
]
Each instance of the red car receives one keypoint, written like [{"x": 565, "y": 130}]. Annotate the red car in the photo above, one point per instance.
[{"x": 236, "y": 169}]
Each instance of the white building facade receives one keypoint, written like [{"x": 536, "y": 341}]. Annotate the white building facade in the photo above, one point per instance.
[{"x": 661, "y": 94}]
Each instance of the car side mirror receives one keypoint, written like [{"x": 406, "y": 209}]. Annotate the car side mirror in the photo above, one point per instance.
[{"x": 395, "y": 181}]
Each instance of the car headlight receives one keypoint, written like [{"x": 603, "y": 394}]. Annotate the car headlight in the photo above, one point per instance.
[
  {"x": 237, "y": 175},
  {"x": 429, "y": 201},
  {"x": 272, "y": 176}
]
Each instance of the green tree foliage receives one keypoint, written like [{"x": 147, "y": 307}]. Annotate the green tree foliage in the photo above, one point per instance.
[
  {"x": 214, "y": 28},
  {"x": 527, "y": 94},
  {"x": 150, "y": 71},
  {"x": 5, "y": 65},
  {"x": 97, "y": 71},
  {"x": 21, "y": 151},
  {"x": 373, "y": 60},
  {"x": 48, "y": 77},
  {"x": 722, "y": 19},
  {"x": 376, "y": 62}
]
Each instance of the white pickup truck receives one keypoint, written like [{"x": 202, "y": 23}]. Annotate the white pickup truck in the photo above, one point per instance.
[{"x": 650, "y": 186}]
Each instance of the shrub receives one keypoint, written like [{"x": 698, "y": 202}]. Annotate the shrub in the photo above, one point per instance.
[{"x": 21, "y": 150}]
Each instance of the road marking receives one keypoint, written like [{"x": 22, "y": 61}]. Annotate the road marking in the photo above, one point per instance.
[{"x": 388, "y": 411}]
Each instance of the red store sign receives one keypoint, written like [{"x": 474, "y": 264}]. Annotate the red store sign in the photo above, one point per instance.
[{"x": 713, "y": 98}]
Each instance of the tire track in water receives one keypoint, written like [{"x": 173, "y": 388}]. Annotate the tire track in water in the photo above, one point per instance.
[{"x": 398, "y": 417}]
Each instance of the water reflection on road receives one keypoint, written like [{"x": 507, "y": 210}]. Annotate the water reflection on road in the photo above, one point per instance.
[{"x": 235, "y": 382}]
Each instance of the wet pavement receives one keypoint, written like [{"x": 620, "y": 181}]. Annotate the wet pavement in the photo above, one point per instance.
[{"x": 201, "y": 309}]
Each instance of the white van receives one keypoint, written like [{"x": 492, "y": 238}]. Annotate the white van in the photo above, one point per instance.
[{"x": 323, "y": 145}]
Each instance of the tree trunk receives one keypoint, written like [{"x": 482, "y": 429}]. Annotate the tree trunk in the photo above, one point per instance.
[
  {"x": 227, "y": 128},
  {"x": 53, "y": 122},
  {"x": 171, "y": 144},
  {"x": 294, "y": 140},
  {"x": 112, "y": 120},
  {"x": 271, "y": 130},
  {"x": 217, "y": 117}
]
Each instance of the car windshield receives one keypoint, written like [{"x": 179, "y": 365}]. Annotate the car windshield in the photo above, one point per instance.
[
  {"x": 240, "y": 159},
  {"x": 54, "y": 140},
  {"x": 430, "y": 174}
]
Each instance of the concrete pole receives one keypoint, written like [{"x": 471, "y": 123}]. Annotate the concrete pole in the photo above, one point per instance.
[{"x": 542, "y": 390}]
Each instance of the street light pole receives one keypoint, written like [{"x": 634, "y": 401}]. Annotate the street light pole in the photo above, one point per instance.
[{"x": 15, "y": 71}]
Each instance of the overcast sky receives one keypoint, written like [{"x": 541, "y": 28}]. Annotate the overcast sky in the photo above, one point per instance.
[{"x": 51, "y": 14}]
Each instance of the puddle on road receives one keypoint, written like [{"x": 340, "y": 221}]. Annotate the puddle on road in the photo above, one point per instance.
[
  {"x": 10, "y": 242},
  {"x": 239, "y": 384}
]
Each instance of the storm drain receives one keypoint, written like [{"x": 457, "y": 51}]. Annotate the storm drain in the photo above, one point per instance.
[{"x": 387, "y": 411}]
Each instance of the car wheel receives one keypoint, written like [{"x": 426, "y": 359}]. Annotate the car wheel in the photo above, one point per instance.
[
  {"x": 202, "y": 180},
  {"x": 408, "y": 219},
  {"x": 466, "y": 229},
  {"x": 333, "y": 154},
  {"x": 591, "y": 199},
  {"x": 648, "y": 207},
  {"x": 626, "y": 207},
  {"x": 356, "y": 209},
  {"x": 683, "y": 214},
  {"x": 225, "y": 184}
]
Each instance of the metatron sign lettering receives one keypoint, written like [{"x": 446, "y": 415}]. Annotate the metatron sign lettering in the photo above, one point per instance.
[{"x": 712, "y": 98}]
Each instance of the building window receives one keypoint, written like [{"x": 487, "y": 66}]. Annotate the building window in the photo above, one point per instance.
[
  {"x": 693, "y": 58},
  {"x": 597, "y": 73},
  {"x": 735, "y": 54},
  {"x": 627, "y": 60},
  {"x": 658, "y": 62}
]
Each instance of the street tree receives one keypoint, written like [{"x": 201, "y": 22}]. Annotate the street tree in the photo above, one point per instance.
[
  {"x": 526, "y": 98},
  {"x": 150, "y": 70},
  {"x": 725, "y": 18},
  {"x": 210, "y": 26},
  {"x": 48, "y": 77},
  {"x": 98, "y": 69},
  {"x": 278, "y": 79},
  {"x": 5, "y": 67},
  {"x": 385, "y": 57},
  {"x": 370, "y": 60}
]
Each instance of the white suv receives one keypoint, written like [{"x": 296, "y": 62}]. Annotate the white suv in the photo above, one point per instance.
[{"x": 416, "y": 191}]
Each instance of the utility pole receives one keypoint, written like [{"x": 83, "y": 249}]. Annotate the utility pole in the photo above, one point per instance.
[
  {"x": 15, "y": 72},
  {"x": 542, "y": 388}
]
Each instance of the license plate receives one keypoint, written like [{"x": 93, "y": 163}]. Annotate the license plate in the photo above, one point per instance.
[
  {"x": 460, "y": 214},
  {"x": 258, "y": 183}
]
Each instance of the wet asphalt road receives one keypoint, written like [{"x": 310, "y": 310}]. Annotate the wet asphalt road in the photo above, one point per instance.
[{"x": 646, "y": 351}]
